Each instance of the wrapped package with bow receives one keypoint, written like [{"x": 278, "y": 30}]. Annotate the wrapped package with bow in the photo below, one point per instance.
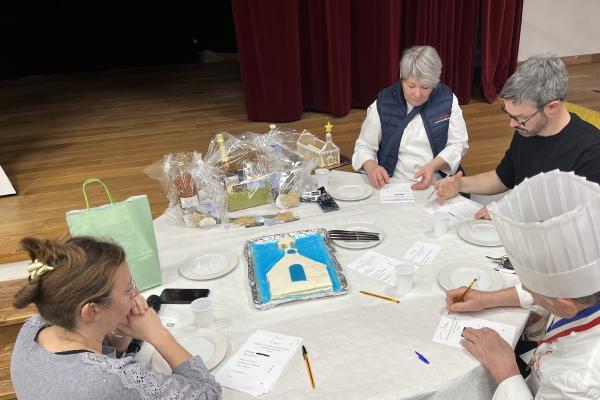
[
  {"x": 260, "y": 168},
  {"x": 290, "y": 169},
  {"x": 246, "y": 177},
  {"x": 194, "y": 189}
]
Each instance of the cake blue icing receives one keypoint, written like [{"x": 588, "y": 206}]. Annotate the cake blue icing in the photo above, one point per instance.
[{"x": 266, "y": 255}]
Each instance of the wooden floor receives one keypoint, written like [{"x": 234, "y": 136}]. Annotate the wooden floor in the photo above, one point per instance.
[{"x": 56, "y": 131}]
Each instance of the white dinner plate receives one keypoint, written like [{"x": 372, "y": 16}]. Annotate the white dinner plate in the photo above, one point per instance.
[
  {"x": 479, "y": 232},
  {"x": 210, "y": 265},
  {"x": 209, "y": 344},
  {"x": 459, "y": 275},
  {"x": 363, "y": 227},
  {"x": 350, "y": 192}
]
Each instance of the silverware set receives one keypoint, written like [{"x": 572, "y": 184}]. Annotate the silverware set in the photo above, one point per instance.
[
  {"x": 503, "y": 264},
  {"x": 353, "y": 236}
]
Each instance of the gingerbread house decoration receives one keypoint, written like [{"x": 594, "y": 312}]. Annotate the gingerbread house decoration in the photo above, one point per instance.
[
  {"x": 326, "y": 151},
  {"x": 296, "y": 274}
]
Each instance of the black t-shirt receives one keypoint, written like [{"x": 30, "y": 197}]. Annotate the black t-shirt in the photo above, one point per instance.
[{"x": 575, "y": 148}]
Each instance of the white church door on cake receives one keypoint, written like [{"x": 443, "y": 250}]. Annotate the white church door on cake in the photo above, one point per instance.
[{"x": 295, "y": 274}]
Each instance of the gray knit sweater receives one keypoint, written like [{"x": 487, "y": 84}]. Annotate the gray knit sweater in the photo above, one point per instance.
[{"x": 39, "y": 374}]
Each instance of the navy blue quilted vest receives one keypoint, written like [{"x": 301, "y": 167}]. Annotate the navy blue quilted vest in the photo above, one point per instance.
[{"x": 391, "y": 106}]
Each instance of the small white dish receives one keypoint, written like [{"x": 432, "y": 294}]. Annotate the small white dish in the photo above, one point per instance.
[
  {"x": 350, "y": 192},
  {"x": 210, "y": 265},
  {"x": 455, "y": 276},
  {"x": 364, "y": 227},
  {"x": 479, "y": 232},
  {"x": 209, "y": 344}
]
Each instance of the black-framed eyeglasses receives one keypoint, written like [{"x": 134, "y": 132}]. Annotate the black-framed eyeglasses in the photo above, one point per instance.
[
  {"x": 132, "y": 291},
  {"x": 517, "y": 120}
]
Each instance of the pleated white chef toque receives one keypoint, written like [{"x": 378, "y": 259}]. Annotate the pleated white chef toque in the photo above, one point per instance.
[{"x": 550, "y": 227}]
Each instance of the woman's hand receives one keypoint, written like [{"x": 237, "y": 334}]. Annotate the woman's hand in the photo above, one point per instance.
[
  {"x": 145, "y": 326},
  {"x": 139, "y": 305},
  {"x": 474, "y": 300},
  {"x": 494, "y": 353},
  {"x": 426, "y": 175},
  {"x": 378, "y": 176}
]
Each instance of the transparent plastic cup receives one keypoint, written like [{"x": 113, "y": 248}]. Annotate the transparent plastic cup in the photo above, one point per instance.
[{"x": 405, "y": 273}]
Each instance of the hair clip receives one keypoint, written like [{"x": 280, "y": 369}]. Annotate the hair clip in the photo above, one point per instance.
[{"x": 37, "y": 268}]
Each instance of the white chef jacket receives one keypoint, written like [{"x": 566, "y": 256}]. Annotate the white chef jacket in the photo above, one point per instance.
[
  {"x": 415, "y": 150},
  {"x": 565, "y": 368}
]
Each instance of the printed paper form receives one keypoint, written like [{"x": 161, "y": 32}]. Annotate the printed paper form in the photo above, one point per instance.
[
  {"x": 451, "y": 326},
  {"x": 422, "y": 252},
  {"x": 258, "y": 364},
  {"x": 396, "y": 193},
  {"x": 459, "y": 211},
  {"x": 376, "y": 266}
]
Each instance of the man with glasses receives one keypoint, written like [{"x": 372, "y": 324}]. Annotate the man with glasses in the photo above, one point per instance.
[{"x": 547, "y": 136}]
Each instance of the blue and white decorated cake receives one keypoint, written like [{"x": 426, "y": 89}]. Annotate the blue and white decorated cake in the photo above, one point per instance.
[{"x": 292, "y": 266}]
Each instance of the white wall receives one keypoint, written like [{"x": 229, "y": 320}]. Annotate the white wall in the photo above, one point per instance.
[{"x": 562, "y": 27}]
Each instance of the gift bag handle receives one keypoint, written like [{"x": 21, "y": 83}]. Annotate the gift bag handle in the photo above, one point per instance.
[{"x": 92, "y": 180}]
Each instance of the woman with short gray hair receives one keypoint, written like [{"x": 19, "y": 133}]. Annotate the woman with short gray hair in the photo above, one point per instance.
[{"x": 414, "y": 128}]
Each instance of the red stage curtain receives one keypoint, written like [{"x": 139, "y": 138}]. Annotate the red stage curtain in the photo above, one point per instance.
[
  {"x": 500, "y": 34},
  {"x": 375, "y": 51},
  {"x": 269, "y": 49},
  {"x": 451, "y": 28},
  {"x": 325, "y": 55},
  {"x": 331, "y": 55}
]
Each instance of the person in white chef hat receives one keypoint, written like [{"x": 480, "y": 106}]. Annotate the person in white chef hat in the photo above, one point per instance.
[{"x": 550, "y": 228}]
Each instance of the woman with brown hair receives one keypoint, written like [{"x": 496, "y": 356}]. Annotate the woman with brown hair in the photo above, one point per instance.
[{"x": 83, "y": 290}]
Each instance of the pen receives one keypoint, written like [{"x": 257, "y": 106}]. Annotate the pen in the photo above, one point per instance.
[
  {"x": 462, "y": 296},
  {"x": 381, "y": 297},
  {"x": 307, "y": 362},
  {"x": 421, "y": 357},
  {"x": 431, "y": 194}
]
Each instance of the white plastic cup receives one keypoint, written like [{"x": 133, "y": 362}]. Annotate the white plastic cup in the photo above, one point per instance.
[
  {"x": 202, "y": 309},
  {"x": 322, "y": 176},
  {"x": 404, "y": 276},
  {"x": 440, "y": 223}
]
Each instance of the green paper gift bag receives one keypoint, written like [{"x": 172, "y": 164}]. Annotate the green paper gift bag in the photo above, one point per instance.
[{"x": 128, "y": 223}]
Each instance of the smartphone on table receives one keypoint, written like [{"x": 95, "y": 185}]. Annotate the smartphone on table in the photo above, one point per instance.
[
  {"x": 327, "y": 202},
  {"x": 182, "y": 296}
]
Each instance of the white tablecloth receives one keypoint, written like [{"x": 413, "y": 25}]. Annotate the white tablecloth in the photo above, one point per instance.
[{"x": 360, "y": 347}]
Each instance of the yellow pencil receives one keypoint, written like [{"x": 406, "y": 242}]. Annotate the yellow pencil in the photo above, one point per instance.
[
  {"x": 381, "y": 297},
  {"x": 462, "y": 296},
  {"x": 307, "y": 362}
]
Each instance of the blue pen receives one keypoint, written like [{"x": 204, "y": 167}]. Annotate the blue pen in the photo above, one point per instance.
[{"x": 421, "y": 357}]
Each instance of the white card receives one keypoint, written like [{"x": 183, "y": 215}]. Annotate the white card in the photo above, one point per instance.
[
  {"x": 260, "y": 361},
  {"x": 422, "y": 253},
  {"x": 376, "y": 266},
  {"x": 451, "y": 326},
  {"x": 396, "y": 193},
  {"x": 459, "y": 210}
]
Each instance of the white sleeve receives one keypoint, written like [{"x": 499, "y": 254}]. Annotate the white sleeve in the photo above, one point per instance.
[
  {"x": 525, "y": 298},
  {"x": 457, "y": 143},
  {"x": 367, "y": 144},
  {"x": 513, "y": 388}
]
